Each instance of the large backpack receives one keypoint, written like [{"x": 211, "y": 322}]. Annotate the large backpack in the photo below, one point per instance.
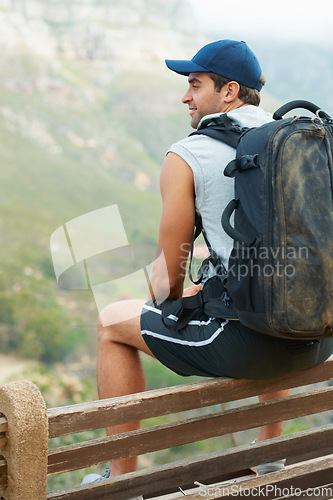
[{"x": 280, "y": 273}]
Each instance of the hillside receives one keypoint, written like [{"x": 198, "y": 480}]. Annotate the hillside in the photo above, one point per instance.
[{"x": 87, "y": 110}]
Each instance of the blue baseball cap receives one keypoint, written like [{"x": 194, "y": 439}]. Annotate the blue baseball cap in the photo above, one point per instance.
[{"x": 229, "y": 58}]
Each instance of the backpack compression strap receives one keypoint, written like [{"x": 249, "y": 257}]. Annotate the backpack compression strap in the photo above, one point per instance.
[{"x": 213, "y": 258}]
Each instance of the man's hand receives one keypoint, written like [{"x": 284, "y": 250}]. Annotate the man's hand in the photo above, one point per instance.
[{"x": 191, "y": 290}]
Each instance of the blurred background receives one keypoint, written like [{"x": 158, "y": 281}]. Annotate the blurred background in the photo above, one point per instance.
[{"x": 87, "y": 111}]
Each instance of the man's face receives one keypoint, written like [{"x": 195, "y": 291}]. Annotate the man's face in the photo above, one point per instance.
[{"x": 202, "y": 98}]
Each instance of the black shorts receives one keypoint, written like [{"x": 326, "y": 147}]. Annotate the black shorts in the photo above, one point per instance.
[{"x": 212, "y": 347}]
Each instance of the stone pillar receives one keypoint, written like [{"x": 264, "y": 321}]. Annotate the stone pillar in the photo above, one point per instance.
[{"x": 26, "y": 441}]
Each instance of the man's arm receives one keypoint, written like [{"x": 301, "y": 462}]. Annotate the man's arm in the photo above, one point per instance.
[{"x": 176, "y": 229}]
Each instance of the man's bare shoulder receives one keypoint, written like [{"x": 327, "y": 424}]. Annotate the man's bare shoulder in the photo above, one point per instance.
[{"x": 176, "y": 173}]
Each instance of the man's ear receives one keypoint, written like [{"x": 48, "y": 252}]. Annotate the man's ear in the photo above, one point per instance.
[{"x": 231, "y": 91}]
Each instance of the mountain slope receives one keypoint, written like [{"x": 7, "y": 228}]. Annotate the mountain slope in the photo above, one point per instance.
[{"x": 87, "y": 110}]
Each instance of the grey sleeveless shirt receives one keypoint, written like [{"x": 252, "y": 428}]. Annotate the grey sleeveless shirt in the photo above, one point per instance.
[{"x": 207, "y": 158}]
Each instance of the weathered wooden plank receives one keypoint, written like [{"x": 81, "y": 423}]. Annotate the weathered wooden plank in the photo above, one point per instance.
[
  {"x": 99, "y": 414},
  {"x": 166, "y": 478},
  {"x": 150, "y": 439},
  {"x": 312, "y": 478},
  {"x": 309, "y": 455}
]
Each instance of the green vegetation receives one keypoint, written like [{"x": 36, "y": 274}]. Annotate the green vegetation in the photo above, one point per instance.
[
  {"x": 61, "y": 158},
  {"x": 34, "y": 325}
]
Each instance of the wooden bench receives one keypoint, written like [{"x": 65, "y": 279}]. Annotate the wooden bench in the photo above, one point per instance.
[{"x": 26, "y": 426}]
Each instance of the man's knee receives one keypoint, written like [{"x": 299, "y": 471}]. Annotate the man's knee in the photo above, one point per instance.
[
  {"x": 120, "y": 312},
  {"x": 120, "y": 322}
]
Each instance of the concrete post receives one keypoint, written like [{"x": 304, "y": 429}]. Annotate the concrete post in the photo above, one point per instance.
[{"x": 26, "y": 444}]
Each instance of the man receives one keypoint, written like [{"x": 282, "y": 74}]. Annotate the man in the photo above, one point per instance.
[{"x": 223, "y": 77}]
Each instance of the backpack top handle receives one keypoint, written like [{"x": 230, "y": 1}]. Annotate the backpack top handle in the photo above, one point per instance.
[{"x": 279, "y": 113}]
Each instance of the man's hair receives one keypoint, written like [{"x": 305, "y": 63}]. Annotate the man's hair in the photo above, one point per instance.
[{"x": 246, "y": 94}]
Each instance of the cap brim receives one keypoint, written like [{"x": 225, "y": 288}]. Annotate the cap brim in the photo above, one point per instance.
[{"x": 184, "y": 67}]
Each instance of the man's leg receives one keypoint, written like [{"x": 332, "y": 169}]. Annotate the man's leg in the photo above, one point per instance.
[
  {"x": 120, "y": 371},
  {"x": 271, "y": 430},
  {"x": 119, "y": 367}
]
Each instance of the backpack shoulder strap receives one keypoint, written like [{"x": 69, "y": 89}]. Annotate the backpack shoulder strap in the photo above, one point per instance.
[
  {"x": 222, "y": 129},
  {"x": 229, "y": 137}
]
